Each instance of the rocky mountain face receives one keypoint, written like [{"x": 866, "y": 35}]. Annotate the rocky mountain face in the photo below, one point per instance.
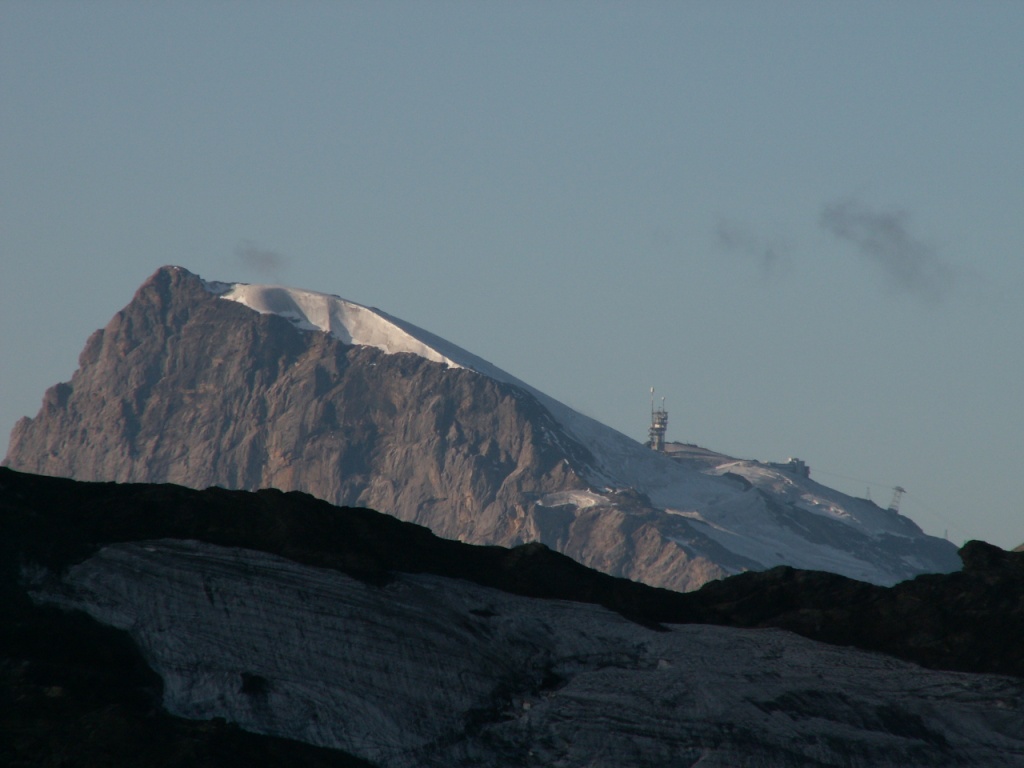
[
  {"x": 188, "y": 384},
  {"x": 183, "y": 387},
  {"x": 159, "y": 625}
]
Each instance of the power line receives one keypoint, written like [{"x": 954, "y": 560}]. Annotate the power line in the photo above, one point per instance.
[
  {"x": 915, "y": 500},
  {"x": 871, "y": 483}
]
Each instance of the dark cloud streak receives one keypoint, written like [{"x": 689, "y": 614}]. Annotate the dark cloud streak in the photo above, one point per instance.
[
  {"x": 737, "y": 238},
  {"x": 883, "y": 238},
  {"x": 259, "y": 259}
]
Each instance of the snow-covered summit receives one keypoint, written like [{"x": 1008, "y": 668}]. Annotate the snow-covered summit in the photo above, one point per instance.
[{"x": 347, "y": 321}]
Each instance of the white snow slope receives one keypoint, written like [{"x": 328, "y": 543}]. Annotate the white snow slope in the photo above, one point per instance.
[{"x": 724, "y": 509}]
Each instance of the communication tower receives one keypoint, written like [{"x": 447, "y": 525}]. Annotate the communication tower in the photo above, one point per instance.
[
  {"x": 659, "y": 423},
  {"x": 897, "y": 494}
]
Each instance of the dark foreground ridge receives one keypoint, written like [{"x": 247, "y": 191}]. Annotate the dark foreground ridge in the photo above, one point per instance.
[
  {"x": 74, "y": 692},
  {"x": 74, "y": 687},
  {"x": 968, "y": 621}
]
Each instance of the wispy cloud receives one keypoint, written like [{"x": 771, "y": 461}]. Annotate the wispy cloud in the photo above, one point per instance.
[
  {"x": 883, "y": 237},
  {"x": 771, "y": 254},
  {"x": 261, "y": 260}
]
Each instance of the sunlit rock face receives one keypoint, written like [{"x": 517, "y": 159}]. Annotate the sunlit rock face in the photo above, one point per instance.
[
  {"x": 430, "y": 671},
  {"x": 249, "y": 387}
]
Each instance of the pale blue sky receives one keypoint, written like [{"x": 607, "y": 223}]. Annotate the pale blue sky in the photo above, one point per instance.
[{"x": 802, "y": 222}]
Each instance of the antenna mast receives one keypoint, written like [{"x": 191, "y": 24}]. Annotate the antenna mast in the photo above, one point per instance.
[
  {"x": 659, "y": 423},
  {"x": 897, "y": 494}
]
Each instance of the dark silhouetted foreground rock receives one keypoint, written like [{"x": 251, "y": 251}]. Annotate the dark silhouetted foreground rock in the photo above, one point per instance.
[
  {"x": 967, "y": 620},
  {"x": 348, "y": 629}
]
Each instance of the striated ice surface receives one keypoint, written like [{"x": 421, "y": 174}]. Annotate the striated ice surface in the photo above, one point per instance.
[{"x": 428, "y": 671}]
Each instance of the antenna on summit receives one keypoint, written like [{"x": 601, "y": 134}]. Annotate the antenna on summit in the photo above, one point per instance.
[
  {"x": 659, "y": 424},
  {"x": 897, "y": 494}
]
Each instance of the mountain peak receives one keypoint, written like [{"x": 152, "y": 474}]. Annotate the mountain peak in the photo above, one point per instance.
[{"x": 247, "y": 386}]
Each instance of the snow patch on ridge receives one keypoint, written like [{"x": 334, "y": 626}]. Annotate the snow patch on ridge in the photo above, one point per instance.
[
  {"x": 817, "y": 499},
  {"x": 579, "y": 499},
  {"x": 347, "y": 321}
]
